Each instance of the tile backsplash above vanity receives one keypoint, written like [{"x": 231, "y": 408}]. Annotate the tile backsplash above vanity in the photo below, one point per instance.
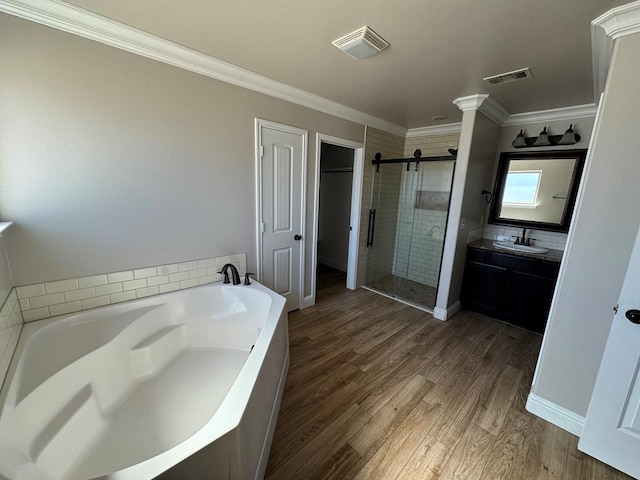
[{"x": 539, "y": 238}]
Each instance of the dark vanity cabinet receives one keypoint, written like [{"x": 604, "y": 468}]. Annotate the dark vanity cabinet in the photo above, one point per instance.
[{"x": 509, "y": 287}]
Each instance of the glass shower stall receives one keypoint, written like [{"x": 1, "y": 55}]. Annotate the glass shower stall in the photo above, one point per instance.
[{"x": 407, "y": 223}]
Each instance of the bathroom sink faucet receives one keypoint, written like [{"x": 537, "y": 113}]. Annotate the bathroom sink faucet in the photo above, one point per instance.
[
  {"x": 234, "y": 274},
  {"x": 523, "y": 240}
]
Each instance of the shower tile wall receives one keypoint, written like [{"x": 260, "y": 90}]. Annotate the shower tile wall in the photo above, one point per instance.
[
  {"x": 425, "y": 227},
  {"x": 432, "y": 145},
  {"x": 427, "y": 233},
  {"x": 390, "y": 146}
]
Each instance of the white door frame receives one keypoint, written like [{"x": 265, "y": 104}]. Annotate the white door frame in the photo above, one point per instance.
[
  {"x": 356, "y": 204},
  {"x": 259, "y": 124}
]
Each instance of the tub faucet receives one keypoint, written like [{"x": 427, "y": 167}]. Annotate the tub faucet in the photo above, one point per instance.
[
  {"x": 234, "y": 274},
  {"x": 433, "y": 230}
]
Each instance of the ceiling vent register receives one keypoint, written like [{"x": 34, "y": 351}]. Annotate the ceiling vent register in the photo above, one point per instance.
[
  {"x": 508, "y": 77},
  {"x": 362, "y": 43}
]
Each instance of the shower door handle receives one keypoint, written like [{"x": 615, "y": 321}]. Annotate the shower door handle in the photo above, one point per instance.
[{"x": 370, "y": 229}]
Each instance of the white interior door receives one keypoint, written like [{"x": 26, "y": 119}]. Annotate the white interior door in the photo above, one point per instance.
[
  {"x": 281, "y": 213},
  {"x": 612, "y": 428}
]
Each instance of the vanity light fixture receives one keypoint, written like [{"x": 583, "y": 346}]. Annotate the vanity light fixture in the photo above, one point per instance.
[
  {"x": 519, "y": 141},
  {"x": 362, "y": 43},
  {"x": 545, "y": 139},
  {"x": 569, "y": 137}
]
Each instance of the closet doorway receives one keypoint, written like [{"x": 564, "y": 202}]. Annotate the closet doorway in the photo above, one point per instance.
[{"x": 337, "y": 209}]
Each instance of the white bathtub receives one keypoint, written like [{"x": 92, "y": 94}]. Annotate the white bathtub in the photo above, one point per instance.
[{"x": 185, "y": 385}]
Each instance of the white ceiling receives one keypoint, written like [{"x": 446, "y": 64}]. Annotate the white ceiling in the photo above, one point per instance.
[{"x": 440, "y": 49}]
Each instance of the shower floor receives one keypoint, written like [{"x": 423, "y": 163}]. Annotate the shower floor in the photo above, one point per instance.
[{"x": 409, "y": 290}]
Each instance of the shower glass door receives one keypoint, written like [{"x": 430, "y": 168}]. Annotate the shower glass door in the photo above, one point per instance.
[
  {"x": 408, "y": 219},
  {"x": 383, "y": 219},
  {"x": 405, "y": 233}
]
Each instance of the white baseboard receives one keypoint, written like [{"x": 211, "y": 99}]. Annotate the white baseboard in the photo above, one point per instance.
[
  {"x": 559, "y": 416},
  {"x": 443, "y": 314},
  {"x": 308, "y": 301},
  {"x": 333, "y": 263}
]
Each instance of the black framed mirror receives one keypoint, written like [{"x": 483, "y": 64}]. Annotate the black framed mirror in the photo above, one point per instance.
[{"x": 537, "y": 189}]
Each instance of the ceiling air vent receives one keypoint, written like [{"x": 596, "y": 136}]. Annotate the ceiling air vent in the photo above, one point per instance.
[
  {"x": 514, "y": 76},
  {"x": 362, "y": 43}
]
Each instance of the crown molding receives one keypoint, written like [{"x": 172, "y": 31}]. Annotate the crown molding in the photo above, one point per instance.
[
  {"x": 434, "y": 130},
  {"x": 484, "y": 103},
  {"x": 501, "y": 117},
  {"x": 496, "y": 112},
  {"x": 71, "y": 19},
  {"x": 470, "y": 102},
  {"x": 616, "y": 23},
  {"x": 565, "y": 113}
]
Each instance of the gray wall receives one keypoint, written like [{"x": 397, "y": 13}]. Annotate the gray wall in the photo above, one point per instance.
[
  {"x": 476, "y": 154},
  {"x": 600, "y": 243},
  {"x": 5, "y": 274},
  {"x": 481, "y": 160},
  {"x": 111, "y": 161}
]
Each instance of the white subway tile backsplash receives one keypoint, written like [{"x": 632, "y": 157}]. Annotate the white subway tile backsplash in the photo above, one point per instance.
[
  {"x": 147, "y": 292},
  {"x": 93, "y": 281},
  {"x": 36, "y": 314},
  {"x": 552, "y": 240},
  {"x": 159, "y": 280},
  {"x": 120, "y": 277},
  {"x": 145, "y": 272},
  {"x": 60, "y": 297},
  {"x": 123, "y": 296},
  {"x": 178, "y": 277},
  {"x": 10, "y": 327},
  {"x": 186, "y": 266},
  {"x": 134, "y": 284},
  {"x": 207, "y": 262},
  {"x": 79, "y": 294},
  {"x": 31, "y": 290},
  {"x": 167, "y": 269},
  {"x": 189, "y": 283},
  {"x": 169, "y": 287},
  {"x": 208, "y": 279},
  {"x": 61, "y": 285},
  {"x": 200, "y": 272},
  {"x": 65, "y": 308},
  {"x": 96, "y": 302},
  {"x": 108, "y": 289},
  {"x": 46, "y": 300}
]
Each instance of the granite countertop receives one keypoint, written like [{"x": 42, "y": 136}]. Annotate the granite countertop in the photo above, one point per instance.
[{"x": 487, "y": 244}]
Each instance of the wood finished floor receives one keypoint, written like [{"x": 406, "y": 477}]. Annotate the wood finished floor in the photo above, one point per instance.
[{"x": 380, "y": 390}]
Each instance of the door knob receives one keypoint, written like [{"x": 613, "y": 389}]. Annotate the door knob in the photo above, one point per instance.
[
  {"x": 299, "y": 237},
  {"x": 633, "y": 316}
]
